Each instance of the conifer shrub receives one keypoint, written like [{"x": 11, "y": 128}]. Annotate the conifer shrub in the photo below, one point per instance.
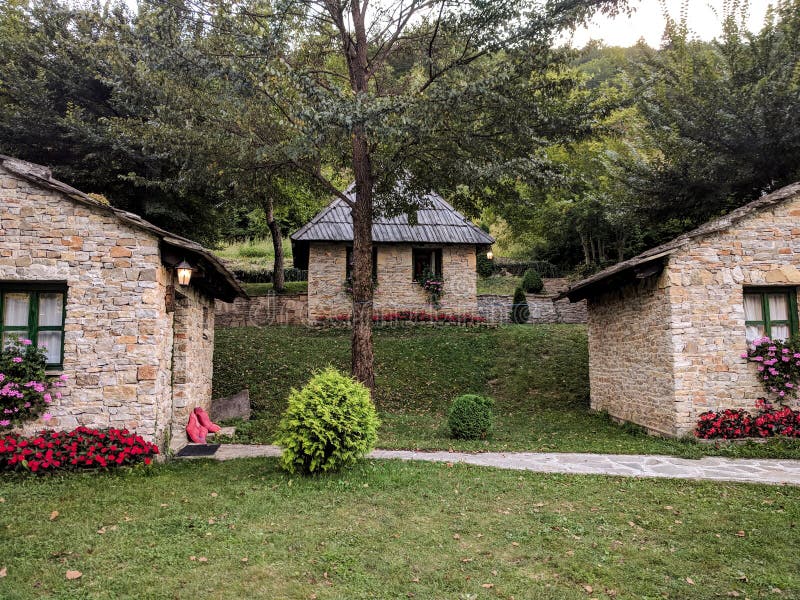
[
  {"x": 471, "y": 417},
  {"x": 520, "y": 312},
  {"x": 484, "y": 266},
  {"x": 532, "y": 282},
  {"x": 327, "y": 425}
]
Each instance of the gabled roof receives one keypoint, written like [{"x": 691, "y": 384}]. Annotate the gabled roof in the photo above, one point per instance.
[
  {"x": 647, "y": 263},
  {"x": 437, "y": 223},
  {"x": 227, "y": 287}
]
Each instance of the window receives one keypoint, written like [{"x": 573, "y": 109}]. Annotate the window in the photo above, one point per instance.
[
  {"x": 349, "y": 262},
  {"x": 770, "y": 312},
  {"x": 426, "y": 260},
  {"x": 34, "y": 311}
]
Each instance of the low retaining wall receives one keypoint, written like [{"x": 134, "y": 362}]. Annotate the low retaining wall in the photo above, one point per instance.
[
  {"x": 263, "y": 310},
  {"x": 259, "y": 311},
  {"x": 544, "y": 307}
]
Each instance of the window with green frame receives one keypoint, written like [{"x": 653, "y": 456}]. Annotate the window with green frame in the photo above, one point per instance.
[
  {"x": 35, "y": 311},
  {"x": 770, "y": 312}
]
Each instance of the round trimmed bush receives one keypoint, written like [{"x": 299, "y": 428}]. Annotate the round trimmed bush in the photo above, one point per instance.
[
  {"x": 471, "y": 417},
  {"x": 328, "y": 425},
  {"x": 532, "y": 282}
]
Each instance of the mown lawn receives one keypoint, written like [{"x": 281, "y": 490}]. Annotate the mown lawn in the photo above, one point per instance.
[
  {"x": 266, "y": 289},
  {"x": 388, "y": 529},
  {"x": 538, "y": 376}
]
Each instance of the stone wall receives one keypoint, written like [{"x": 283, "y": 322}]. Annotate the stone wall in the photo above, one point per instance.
[
  {"x": 496, "y": 308},
  {"x": 630, "y": 355},
  {"x": 118, "y": 334},
  {"x": 396, "y": 290},
  {"x": 259, "y": 311},
  {"x": 707, "y": 281},
  {"x": 192, "y": 359}
]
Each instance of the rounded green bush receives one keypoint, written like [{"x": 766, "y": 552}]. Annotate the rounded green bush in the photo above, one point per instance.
[
  {"x": 471, "y": 417},
  {"x": 532, "y": 282},
  {"x": 329, "y": 424},
  {"x": 520, "y": 311}
]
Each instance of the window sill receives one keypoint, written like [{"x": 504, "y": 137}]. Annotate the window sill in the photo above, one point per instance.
[{"x": 54, "y": 370}]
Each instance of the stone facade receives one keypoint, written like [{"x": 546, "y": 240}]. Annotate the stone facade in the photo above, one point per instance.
[
  {"x": 119, "y": 336},
  {"x": 669, "y": 348},
  {"x": 396, "y": 289}
]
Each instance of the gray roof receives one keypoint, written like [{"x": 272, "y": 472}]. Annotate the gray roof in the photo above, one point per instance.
[
  {"x": 226, "y": 286},
  {"x": 643, "y": 264},
  {"x": 437, "y": 223}
]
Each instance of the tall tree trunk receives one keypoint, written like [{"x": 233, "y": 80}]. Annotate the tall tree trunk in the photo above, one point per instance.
[
  {"x": 278, "y": 283},
  {"x": 362, "y": 351}
]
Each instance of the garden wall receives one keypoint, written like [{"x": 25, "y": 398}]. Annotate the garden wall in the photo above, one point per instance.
[
  {"x": 544, "y": 307},
  {"x": 259, "y": 311}
]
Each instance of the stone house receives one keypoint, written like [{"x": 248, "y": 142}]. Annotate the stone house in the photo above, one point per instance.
[
  {"x": 98, "y": 287},
  {"x": 667, "y": 328},
  {"x": 442, "y": 242}
]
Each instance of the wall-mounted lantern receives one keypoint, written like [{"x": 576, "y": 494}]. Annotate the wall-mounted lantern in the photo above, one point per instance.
[
  {"x": 490, "y": 255},
  {"x": 184, "y": 270}
]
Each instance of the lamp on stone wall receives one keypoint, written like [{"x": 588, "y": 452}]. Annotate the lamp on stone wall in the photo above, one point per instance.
[
  {"x": 490, "y": 254},
  {"x": 184, "y": 270}
]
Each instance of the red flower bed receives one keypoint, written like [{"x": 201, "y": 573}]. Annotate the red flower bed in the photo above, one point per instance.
[
  {"x": 408, "y": 316},
  {"x": 82, "y": 448},
  {"x": 736, "y": 424}
]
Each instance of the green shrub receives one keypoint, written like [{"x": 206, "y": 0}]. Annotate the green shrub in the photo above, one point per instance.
[
  {"x": 485, "y": 267},
  {"x": 327, "y": 425},
  {"x": 470, "y": 417},
  {"x": 532, "y": 282},
  {"x": 520, "y": 313}
]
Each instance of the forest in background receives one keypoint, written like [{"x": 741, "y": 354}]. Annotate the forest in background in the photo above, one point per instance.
[{"x": 630, "y": 146}]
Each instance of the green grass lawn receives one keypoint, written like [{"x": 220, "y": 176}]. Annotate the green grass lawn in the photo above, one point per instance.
[
  {"x": 254, "y": 254},
  {"x": 266, "y": 289},
  {"x": 538, "y": 376},
  {"x": 386, "y": 529},
  {"x": 498, "y": 284}
]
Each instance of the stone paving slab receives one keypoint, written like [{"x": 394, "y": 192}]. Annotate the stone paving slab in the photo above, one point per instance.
[{"x": 713, "y": 468}]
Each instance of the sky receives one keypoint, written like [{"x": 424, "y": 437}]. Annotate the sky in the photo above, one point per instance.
[{"x": 648, "y": 22}]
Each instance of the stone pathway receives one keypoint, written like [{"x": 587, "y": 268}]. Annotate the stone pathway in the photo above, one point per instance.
[{"x": 627, "y": 465}]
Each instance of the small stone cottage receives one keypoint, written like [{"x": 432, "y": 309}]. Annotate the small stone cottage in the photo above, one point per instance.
[
  {"x": 98, "y": 287},
  {"x": 667, "y": 328},
  {"x": 442, "y": 242}
]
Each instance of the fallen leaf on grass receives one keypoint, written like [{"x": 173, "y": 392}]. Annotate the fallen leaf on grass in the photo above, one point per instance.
[
  {"x": 3, "y": 572},
  {"x": 244, "y": 559},
  {"x": 74, "y": 575},
  {"x": 740, "y": 533},
  {"x": 202, "y": 559},
  {"x": 214, "y": 494},
  {"x": 690, "y": 581},
  {"x": 487, "y": 586},
  {"x": 456, "y": 536},
  {"x": 415, "y": 580},
  {"x": 54, "y": 515},
  {"x": 588, "y": 589}
]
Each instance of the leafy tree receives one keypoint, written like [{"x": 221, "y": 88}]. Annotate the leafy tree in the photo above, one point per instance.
[
  {"x": 723, "y": 117},
  {"x": 399, "y": 93},
  {"x": 56, "y": 94}
]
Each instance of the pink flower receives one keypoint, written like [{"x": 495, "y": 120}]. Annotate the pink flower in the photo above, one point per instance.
[
  {"x": 17, "y": 359},
  {"x": 5, "y": 423},
  {"x": 26, "y": 342},
  {"x": 47, "y": 416}
]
